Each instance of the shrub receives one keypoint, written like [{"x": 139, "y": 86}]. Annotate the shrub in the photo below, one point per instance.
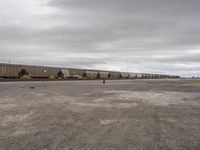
[
  {"x": 51, "y": 77},
  {"x": 196, "y": 79},
  {"x": 25, "y": 77}
]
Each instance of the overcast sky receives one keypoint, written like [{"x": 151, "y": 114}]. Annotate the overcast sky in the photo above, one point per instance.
[{"x": 155, "y": 36}]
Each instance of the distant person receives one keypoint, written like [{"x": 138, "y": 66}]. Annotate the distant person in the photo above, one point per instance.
[{"x": 104, "y": 80}]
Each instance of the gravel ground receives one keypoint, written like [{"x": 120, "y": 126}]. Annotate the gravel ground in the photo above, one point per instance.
[{"x": 87, "y": 115}]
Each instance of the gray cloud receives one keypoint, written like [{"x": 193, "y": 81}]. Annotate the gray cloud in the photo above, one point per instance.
[{"x": 157, "y": 36}]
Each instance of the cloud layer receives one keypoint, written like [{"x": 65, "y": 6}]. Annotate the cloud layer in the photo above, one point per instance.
[{"x": 156, "y": 36}]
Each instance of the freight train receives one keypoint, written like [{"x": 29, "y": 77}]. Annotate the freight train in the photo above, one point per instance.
[{"x": 14, "y": 71}]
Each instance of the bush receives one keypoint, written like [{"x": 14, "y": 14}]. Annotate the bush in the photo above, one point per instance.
[
  {"x": 51, "y": 77},
  {"x": 196, "y": 79},
  {"x": 25, "y": 77}
]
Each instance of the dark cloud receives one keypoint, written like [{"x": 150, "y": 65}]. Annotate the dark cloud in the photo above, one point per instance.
[{"x": 160, "y": 36}]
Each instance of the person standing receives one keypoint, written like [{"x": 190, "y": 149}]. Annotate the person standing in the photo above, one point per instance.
[{"x": 104, "y": 80}]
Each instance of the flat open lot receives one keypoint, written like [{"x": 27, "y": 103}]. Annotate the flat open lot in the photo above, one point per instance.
[{"x": 87, "y": 115}]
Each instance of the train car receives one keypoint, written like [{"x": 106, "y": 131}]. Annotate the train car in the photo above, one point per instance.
[
  {"x": 147, "y": 76},
  {"x": 17, "y": 71},
  {"x": 133, "y": 75},
  {"x": 153, "y": 76},
  {"x": 39, "y": 71},
  {"x": 114, "y": 75},
  {"x": 150, "y": 76},
  {"x": 76, "y": 73},
  {"x": 104, "y": 74},
  {"x": 9, "y": 71},
  {"x": 139, "y": 75},
  {"x": 156, "y": 76},
  {"x": 144, "y": 76},
  {"x": 92, "y": 74},
  {"x": 124, "y": 75}
]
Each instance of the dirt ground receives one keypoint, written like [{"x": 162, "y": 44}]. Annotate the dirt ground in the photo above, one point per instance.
[{"x": 87, "y": 115}]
